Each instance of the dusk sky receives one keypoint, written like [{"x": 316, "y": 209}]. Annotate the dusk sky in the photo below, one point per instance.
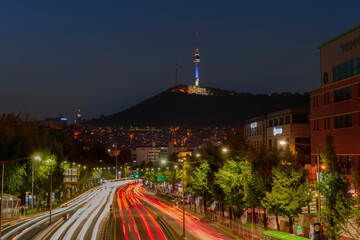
[{"x": 105, "y": 56}]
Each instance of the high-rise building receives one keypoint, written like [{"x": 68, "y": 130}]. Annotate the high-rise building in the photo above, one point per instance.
[
  {"x": 197, "y": 60},
  {"x": 335, "y": 106}
]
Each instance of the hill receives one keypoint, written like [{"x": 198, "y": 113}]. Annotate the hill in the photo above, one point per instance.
[{"x": 219, "y": 108}]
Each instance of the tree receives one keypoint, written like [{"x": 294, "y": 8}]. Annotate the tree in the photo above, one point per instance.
[
  {"x": 334, "y": 188},
  {"x": 200, "y": 182},
  {"x": 262, "y": 162},
  {"x": 254, "y": 187},
  {"x": 289, "y": 191},
  {"x": 171, "y": 177},
  {"x": 355, "y": 208},
  {"x": 143, "y": 165},
  {"x": 150, "y": 176},
  {"x": 230, "y": 179},
  {"x": 21, "y": 138}
]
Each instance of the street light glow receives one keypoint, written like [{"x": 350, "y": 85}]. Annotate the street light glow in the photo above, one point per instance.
[
  {"x": 225, "y": 150},
  {"x": 282, "y": 142}
]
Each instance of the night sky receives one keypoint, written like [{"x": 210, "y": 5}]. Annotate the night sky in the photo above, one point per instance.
[{"x": 105, "y": 56}]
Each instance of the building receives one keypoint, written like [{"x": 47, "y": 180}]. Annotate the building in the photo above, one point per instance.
[
  {"x": 255, "y": 131},
  {"x": 290, "y": 125},
  {"x": 154, "y": 153},
  {"x": 54, "y": 123},
  {"x": 335, "y": 106}
]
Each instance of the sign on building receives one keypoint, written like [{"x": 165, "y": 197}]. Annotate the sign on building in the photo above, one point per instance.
[{"x": 71, "y": 176}]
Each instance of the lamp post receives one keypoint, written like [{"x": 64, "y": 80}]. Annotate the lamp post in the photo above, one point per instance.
[
  {"x": 116, "y": 166},
  {"x": 318, "y": 173},
  {"x": 2, "y": 184},
  {"x": 182, "y": 164},
  {"x": 37, "y": 158},
  {"x": 50, "y": 197}
]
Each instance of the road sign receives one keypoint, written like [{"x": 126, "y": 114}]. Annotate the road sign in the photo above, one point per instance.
[
  {"x": 161, "y": 178},
  {"x": 299, "y": 230},
  {"x": 137, "y": 175}
]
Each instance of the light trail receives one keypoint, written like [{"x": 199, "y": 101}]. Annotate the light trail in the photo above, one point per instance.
[
  {"x": 128, "y": 203},
  {"x": 86, "y": 208},
  {"x": 135, "y": 193},
  {"x": 84, "y": 217}
]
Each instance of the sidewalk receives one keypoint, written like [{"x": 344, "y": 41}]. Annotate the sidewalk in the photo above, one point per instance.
[{"x": 231, "y": 227}]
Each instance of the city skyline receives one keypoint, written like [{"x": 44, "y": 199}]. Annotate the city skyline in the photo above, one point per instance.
[{"x": 95, "y": 58}]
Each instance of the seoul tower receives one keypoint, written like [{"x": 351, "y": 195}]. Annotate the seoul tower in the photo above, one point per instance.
[{"x": 197, "y": 60}]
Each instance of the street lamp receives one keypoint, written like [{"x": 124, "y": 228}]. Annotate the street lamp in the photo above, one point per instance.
[
  {"x": 225, "y": 150},
  {"x": 116, "y": 166},
  {"x": 50, "y": 198},
  {"x": 183, "y": 200},
  {"x": 282, "y": 142},
  {"x": 37, "y": 158}
]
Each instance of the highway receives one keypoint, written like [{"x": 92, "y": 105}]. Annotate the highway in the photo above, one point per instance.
[
  {"x": 132, "y": 219},
  {"x": 135, "y": 221},
  {"x": 87, "y": 213}
]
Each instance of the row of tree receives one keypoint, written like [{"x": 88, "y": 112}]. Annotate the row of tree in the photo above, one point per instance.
[
  {"x": 21, "y": 138},
  {"x": 244, "y": 178}
]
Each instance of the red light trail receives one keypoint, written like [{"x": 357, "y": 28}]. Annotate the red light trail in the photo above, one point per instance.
[{"x": 132, "y": 196}]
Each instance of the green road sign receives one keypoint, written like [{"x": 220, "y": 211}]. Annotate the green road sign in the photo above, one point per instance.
[
  {"x": 299, "y": 230},
  {"x": 137, "y": 175},
  {"x": 161, "y": 178}
]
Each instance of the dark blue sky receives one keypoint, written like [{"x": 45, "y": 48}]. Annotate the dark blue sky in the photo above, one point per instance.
[{"x": 105, "y": 56}]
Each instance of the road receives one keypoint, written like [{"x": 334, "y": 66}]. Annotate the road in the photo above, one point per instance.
[
  {"x": 132, "y": 219},
  {"x": 135, "y": 221},
  {"x": 87, "y": 213}
]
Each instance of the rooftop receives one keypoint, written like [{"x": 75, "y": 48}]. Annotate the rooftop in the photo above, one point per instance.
[{"x": 339, "y": 36}]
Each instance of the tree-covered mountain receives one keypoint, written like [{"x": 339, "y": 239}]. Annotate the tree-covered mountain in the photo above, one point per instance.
[{"x": 219, "y": 108}]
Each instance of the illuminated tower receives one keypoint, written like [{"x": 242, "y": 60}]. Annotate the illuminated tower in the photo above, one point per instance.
[
  {"x": 197, "y": 60},
  {"x": 78, "y": 118}
]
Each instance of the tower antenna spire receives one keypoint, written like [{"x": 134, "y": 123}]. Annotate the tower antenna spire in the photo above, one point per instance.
[
  {"x": 176, "y": 74},
  {"x": 197, "y": 40}
]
